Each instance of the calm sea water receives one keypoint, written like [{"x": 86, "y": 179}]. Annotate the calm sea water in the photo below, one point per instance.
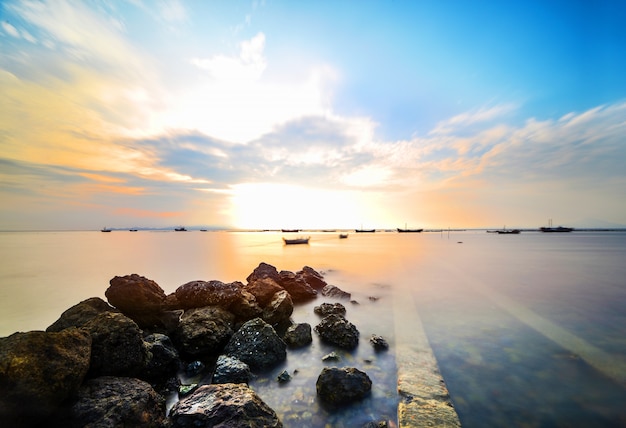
[{"x": 529, "y": 330}]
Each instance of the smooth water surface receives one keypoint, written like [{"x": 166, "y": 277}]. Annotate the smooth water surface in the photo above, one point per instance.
[{"x": 528, "y": 330}]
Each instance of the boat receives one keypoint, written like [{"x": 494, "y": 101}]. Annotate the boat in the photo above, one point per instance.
[
  {"x": 409, "y": 230},
  {"x": 105, "y": 230},
  {"x": 180, "y": 229},
  {"x": 508, "y": 232},
  {"x": 365, "y": 230},
  {"x": 203, "y": 230},
  {"x": 295, "y": 241},
  {"x": 343, "y": 235},
  {"x": 290, "y": 230},
  {"x": 132, "y": 230},
  {"x": 558, "y": 229}
]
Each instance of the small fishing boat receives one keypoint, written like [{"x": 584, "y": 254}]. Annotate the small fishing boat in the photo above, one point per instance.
[
  {"x": 295, "y": 241},
  {"x": 105, "y": 230},
  {"x": 132, "y": 230},
  {"x": 558, "y": 229},
  {"x": 180, "y": 229},
  {"x": 409, "y": 230},
  {"x": 290, "y": 230},
  {"x": 508, "y": 232},
  {"x": 365, "y": 230}
]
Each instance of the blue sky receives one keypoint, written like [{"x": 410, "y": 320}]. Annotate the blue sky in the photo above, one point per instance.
[{"x": 343, "y": 114}]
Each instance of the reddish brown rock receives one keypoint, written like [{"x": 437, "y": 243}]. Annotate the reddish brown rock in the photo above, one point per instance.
[
  {"x": 196, "y": 294},
  {"x": 263, "y": 289},
  {"x": 137, "y": 297},
  {"x": 297, "y": 287},
  {"x": 312, "y": 277}
]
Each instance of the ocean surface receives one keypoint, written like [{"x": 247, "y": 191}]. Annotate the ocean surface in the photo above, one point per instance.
[{"x": 528, "y": 330}]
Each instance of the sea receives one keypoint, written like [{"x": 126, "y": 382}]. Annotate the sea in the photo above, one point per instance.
[{"x": 528, "y": 330}]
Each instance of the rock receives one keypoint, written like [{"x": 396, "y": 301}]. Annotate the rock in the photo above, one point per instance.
[
  {"x": 263, "y": 289},
  {"x": 283, "y": 377},
  {"x": 117, "y": 347},
  {"x": 333, "y": 356},
  {"x": 379, "y": 343},
  {"x": 117, "y": 402},
  {"x": 204, "y": 331},
  {"x": 336, "y": 292},
  {"x": 257, "y": 344},
  {"x": 245, "y": 306},
  {"x": 263, "y": 270},
  {"x": 336, "y": 330},
  {"x": 330, "y": 308},
  {"x": 137, "y": 297},
  {"x": 312, "y": 277},
  {"x": 81, "y": 313},
  {"x": 338, "y": 386},
  {"x": 231, "y": 370},
  {"x": 378, "y": 424},
  {"x": 223, "y": 405},
  {"x": 38, "y": 371},
  {"x": 162, "y": 360},
  {"x": 279, "y": 309},
  {"x": 197, "y": 294},
  {"x": 298, "y": 335},
  {"x": 297, "y": 287},
  {"x": 194, "y": 368}
]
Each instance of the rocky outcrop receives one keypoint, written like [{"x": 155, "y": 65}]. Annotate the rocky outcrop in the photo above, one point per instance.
[
  {"x": 223, "y": 405},
  {"x": 312, "y": 277},
  {"x": 257, "y": 344},
  {"x": 263, "y": 289},
  {"x": 335, "y": 292},
  {"x": 297, "y": 287},
  {"x": 81, "y": 313},
  {"x": 137, "y": 297},
  {"x": 204, "y": 331},
  {"x": 197, "y": 294},
  {"x": 38, "y": 371},
  {"x": 298, "y": 335},
  {"x": 245, "y": 306},
  {"x": 263, "y": 270},
  {"x": 330, "y": 308},
  {"x": 279, "y": 309},
  {"x": 337, "y": 386},
  {"x": 117, "y": 347},
  {"x": 117, "y": 402},
  {"x": 337, "y": 330},
  {"x": 231, "y": 370}
]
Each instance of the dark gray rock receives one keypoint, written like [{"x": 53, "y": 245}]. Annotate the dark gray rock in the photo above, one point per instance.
[
  {"x": 379, "y": 343},
  {"x": 162, "y": 359},
  {"x": 335, "y": 292},
  {"x": 337, "y": 386},
  {"x": 197, "y": 294},
  {"x": 330, "y": 308},
  {"x": 279, "y": 309},
  {"x": 107, "y": 402},
  {"x": 312, "y": 277},
  {"x": 137, "y": 297},
  {"x": 297, "y": 287},
  {"x": 117, "y": 347},
  {"x": 257, "y": 344},
  {"x": 223, "y": 405},
  {"x": 298, "y": 335},
  {"x": 263, "y": 270},
  {"x": 204, "y": 331},
  {"x": 38, "y": 371},
  {"x": 337, "y": 330},
  {"x": 231, "y": 370},
  {"x": 263, "y": 289},
  {"x": 81, "y": 313}
]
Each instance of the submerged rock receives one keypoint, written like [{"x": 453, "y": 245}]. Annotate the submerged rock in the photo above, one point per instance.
[
  {"x": 257, "y": 344},
  {"x": 223, "y": 405},
  {"x": 298, "y": 335},
  {"x": 231, "y": 370},
  {"x": 379, "y": 343},
  {"x": 342, "y": 385},
  {"x": 330, "y": 308},
  {"x": 337, "y": 330},
  {"x": 335, "y": 292}
]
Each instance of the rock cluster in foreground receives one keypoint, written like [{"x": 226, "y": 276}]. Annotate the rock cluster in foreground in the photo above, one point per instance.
[{"x": 112, "y": 364}]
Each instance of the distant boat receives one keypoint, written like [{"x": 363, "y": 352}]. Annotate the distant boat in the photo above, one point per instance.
[
  {"x": 508, "y": 232},
  {"x": 343, "y": 235},
  {"x": 557, "y": 229},
  {"x": 296, "y": 241},
  {"x": 132, "y": 230},
  {"x": 180, "y": 229},
  {"x": 290, "y": 230},
  {"x": 203, "y": 230},
  {"x": 409, "y": 230},
  {"x": 365, "y": 230},
  {"x": 105, "y": 230}
]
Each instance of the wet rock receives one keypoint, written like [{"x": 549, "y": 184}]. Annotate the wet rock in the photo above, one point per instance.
[
  {"x": 194, "y": 368},
  {"x": 204, "y": 331},
  {"x": 81, "y": 313},
  {"x": 379, "y": 424},
  {"x": 117, "y": 347},
  {"x": 257, "y": 344},
  {"x": 298, "y": 335},
  {"x": 231, "y": 370},
  {"x": 297, "y": 287},
  {"x": 38, "y": 371},
  {"x": 197, "y": 294},
  {"x": 279, "y": 309},
  {"x": 263, "y": 289},
  {"x": 283, "y": 377},
  {"x": 333, "y": 356},
  {"x": 330, "y": 308},
  {"x": 336, "y": 330},
  {"x": 335, "y": 292},
  {"x": 263, "y": 270},
  {"x": 338, "y": 386},
  {"x": 223, "y": 405},
  {"x": 312, "y": 277},
  {"x": 117, "y": 402},
  {"x": 379, "y": 343},
  {"x": 245, "y": 306},
  {"x": 162, "y": 360},
  {"x": 137, "y": 297}
]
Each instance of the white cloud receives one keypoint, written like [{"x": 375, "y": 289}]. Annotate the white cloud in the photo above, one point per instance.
[{"x": 10, "y": 29}]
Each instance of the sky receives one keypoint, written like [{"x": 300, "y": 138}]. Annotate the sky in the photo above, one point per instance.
[{"x": 312, "y": 114}]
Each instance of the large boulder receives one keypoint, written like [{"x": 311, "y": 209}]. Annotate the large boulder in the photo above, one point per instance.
[
  {"x": 197, "y": 294},
  {"x": 81, "y": 313},
  {"x": 263, "y": 289},
  {"x": 204, "y": 331},
  {"x": 335, "y": 292},
  {"x": 231, "y": 370},
  {"x": 117, "y": 347},
  {"x": 139, "y": 298},
  {"x": 298, "y": 335},
  {"x": 245, "y": 307},
  {"x": 223, "y": 405},
  {"x": 117, "y": 402},
  {"x": 263, "y": 270},
  {"x": 297, "y": 287},
  {"x": 337, "y": 386},
  {"x": 279, "y": 309},
  {"x": 38, "y": 371},
  {"x": 257, "y": 344},
  {"x": 337, "y": 330},
  {"x": 162, "y": 359},
  {"x": 312, "y": 277}
]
